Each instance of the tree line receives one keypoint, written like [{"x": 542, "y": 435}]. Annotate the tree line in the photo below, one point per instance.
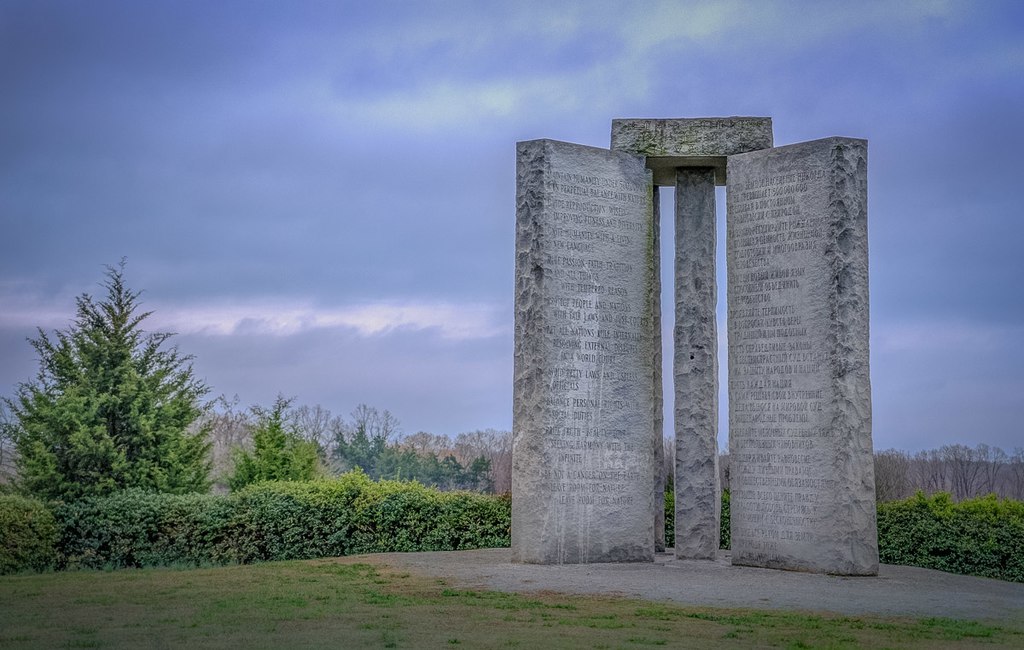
[
  {"x": 115, "y": 407},
  {"x": 294, "y": 442},
  {"x": 961, "y": 471}
]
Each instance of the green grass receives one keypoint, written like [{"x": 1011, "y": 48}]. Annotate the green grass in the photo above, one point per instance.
[{"x": 353, "y": 604}]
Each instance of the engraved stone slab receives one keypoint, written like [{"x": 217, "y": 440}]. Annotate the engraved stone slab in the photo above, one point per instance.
[
  {"x": 670, "y": 144},
  {"x": 698, "y": 493},
  {"x": 583, "y": 395},
  {"x": 799, "y": 386}
]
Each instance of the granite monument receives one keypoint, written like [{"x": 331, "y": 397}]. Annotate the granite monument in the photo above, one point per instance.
[
  {"x": 584, "y": 389},
  {"x": 587, "y": 426}
]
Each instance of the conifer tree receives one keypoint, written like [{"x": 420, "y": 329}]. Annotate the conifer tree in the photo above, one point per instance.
[
  {"x": 279, "y": 453},
  {"x": 110, "y": 407}
]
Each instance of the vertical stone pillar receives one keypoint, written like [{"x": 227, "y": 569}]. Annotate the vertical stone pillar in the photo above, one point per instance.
[
  {"x": 583, "y": 395},
  {"x": 698, "y": 493},
  {"x": 703, "y": 145},
  {"x": 658, "y": 434},
  {"x": 803, "y": 490}
]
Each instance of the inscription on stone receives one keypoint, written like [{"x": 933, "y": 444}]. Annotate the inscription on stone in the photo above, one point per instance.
[
  {"x": 583, "y": 395},
  {"x": 799, "y": 389}
]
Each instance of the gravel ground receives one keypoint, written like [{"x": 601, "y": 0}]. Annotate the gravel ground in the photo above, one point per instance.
[{"x": 897, "y": 591}]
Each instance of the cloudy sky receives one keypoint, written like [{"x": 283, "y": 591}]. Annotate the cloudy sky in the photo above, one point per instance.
[{"x": 319, "y": 196}]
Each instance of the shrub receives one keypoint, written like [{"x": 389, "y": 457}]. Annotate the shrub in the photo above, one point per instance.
[
  {"x": 982, "y": 536},
  {"x": 277, "y": 521},
  {"x": 27, "y": 535},
  {"x": 353, "y": 514},
  {"x": 135, "y": 528}
]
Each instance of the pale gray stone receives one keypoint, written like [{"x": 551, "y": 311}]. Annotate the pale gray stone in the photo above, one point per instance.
[
  {"x": 670, "y": 145},
  {"x": 698, "y": 494},
  {"x": 658, "y": 434},
  {"x": 690, "y": 142},
  {"x": 583, "y": 395},
  {"x": 799, "y": 386}
]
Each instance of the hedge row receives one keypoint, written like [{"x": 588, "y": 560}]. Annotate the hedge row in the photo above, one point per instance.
[
  {"x": 352, "y": 514},
  {"x": 981, "y": 537},
  {"x": 27, "y": 535},
  {"x": 274, "y": 521}
]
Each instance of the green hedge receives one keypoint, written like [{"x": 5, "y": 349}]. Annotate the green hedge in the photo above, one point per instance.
[
  {"x": 276, "y": 521},
  {"x": 27, "y": 535},
  {"x": 352, "y": 514},
  {"x": 982, "y": 537}
]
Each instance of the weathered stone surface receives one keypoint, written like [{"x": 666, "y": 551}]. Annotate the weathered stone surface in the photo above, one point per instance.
[
  {"x": 690, "y": 142},
  {"x": 658, "y": 434},
  {"x": 799, "y": 387},
  {"x": 698, "y": 494},
  {"x": 583, "y": 402}
]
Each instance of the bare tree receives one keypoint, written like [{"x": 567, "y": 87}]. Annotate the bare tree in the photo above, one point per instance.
[
  {"x": 991, "y": 460},
  {"x": 376, "y": 424},
  {"x": 892, "y": 475},
  {"x": 230, "y": 428},
  {"x": 424, "y": 443},
  {"x": 964, "y": 469},
  {"x": 8, "y": 452},
  {"x": 668, "y": 465},
  {"x": 1015, "y": 474},
  {"x": 724, "y": 469},
  {"x": 469, "y": 445},
  {"x": 501, "y": 464},
  {"x": 495, "y": 446},
  {"x": 313, "y": 424},
  {"x": 931, "y": 472},
  {"x": 339, "y": 431}
]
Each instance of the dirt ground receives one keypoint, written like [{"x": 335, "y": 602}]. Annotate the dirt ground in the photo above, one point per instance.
[{"x": 896, "y": 591}]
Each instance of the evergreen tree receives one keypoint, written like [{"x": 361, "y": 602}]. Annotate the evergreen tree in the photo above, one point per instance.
[
  {"x": 366, "y": 444},
  {"x": 478, "y": 475},
  {"x": 363, "y": 446},
  {"x": 279, "y": 452},
  {"x": 452, "y": 475},
  {"x": 110, "y": 406}
]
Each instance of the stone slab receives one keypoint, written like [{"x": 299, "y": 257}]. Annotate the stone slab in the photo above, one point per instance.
[
  {"x": 583, "y": 395},
  {"x": 799, "y": 385},
  {"x": 698, "y": 493},
  {"x": 658, "y": 433},
  {"x": 670, "y": 144}
]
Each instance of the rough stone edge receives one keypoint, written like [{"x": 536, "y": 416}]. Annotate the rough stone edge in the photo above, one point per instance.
[
  {"x": 849, "y": 340},
  {"x": 541, "y": 151},
  {"x": 854, "y": 396},
  {"x": 659, "y": 397},
  {"x": 531, "y": 160},
  {"x": 695, "y": 380},
  {"x": 627, "y": 135}
]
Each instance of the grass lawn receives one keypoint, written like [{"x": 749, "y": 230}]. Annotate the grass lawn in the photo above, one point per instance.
[{"x": 342, "y": 603}]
